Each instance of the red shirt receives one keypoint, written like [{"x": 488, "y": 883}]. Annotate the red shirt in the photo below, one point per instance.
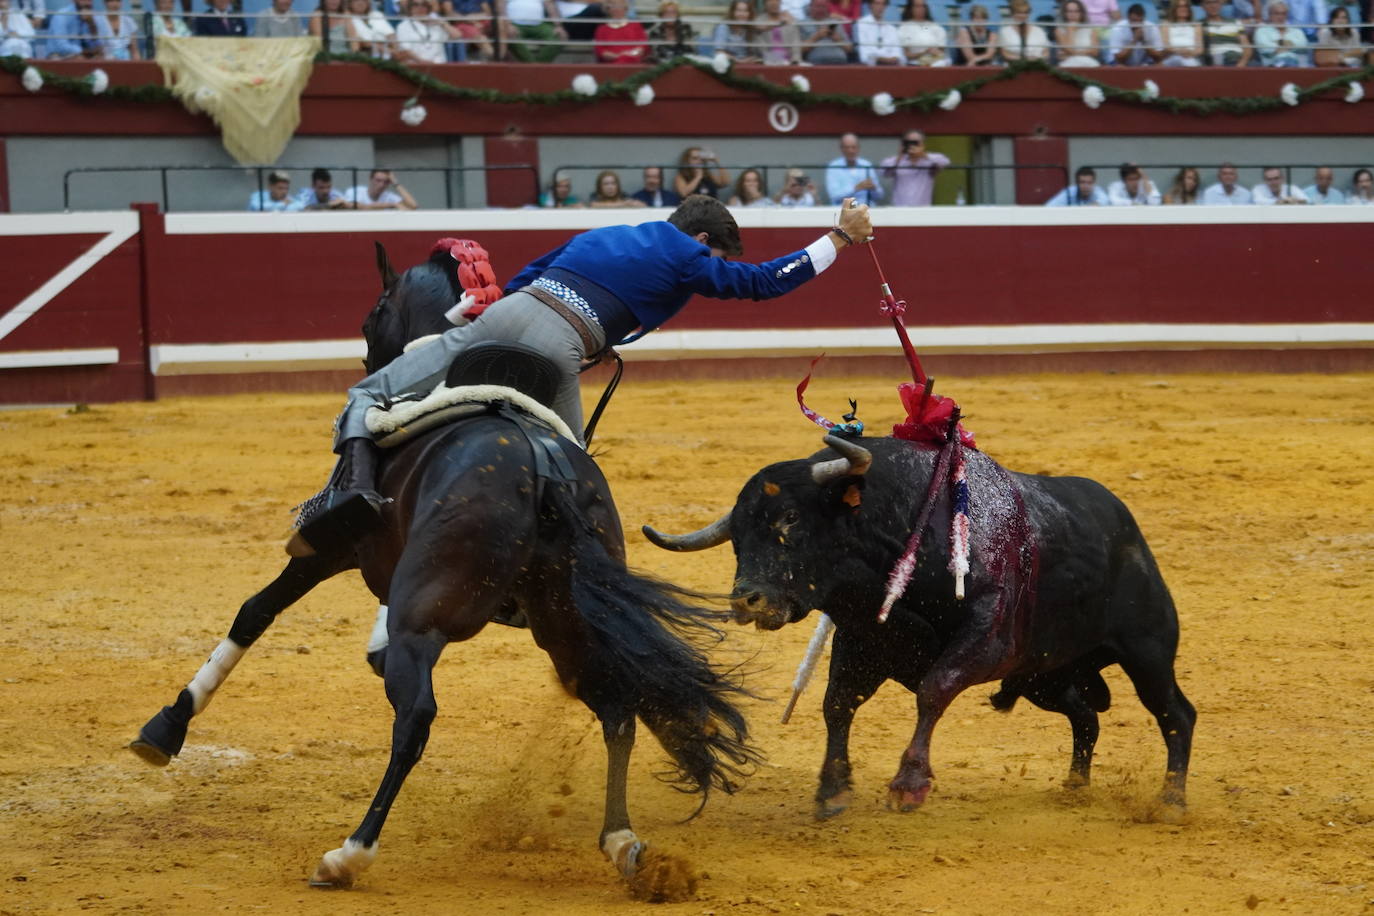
[{"x": 616, "y": 44}]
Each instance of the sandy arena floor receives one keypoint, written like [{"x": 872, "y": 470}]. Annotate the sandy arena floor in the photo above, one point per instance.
[{"x": 132, "y": 532}]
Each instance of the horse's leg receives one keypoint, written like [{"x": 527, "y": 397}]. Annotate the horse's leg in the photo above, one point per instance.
[
  {"x": 410, "y": 688},
  {"x": 618, "y": 840},
  {"x": 161, "y": 739}
]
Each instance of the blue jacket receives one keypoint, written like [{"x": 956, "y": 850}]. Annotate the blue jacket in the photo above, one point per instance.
[{"x": 655, "y": 268}]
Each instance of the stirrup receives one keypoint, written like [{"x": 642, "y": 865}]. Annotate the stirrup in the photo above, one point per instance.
[{"x": 344, "y": 518}]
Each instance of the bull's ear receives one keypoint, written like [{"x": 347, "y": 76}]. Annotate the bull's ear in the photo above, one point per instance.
[{"x": 384, "y": 268}]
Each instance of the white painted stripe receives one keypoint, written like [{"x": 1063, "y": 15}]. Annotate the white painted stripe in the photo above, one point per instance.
[
  {"x": 67, "y": 223},
  {"x": 467, "y": 223},
  {"x": 30, "y": 359},
  {"x": 187, "y": 359},
  {"x": 64, "y": 278}
]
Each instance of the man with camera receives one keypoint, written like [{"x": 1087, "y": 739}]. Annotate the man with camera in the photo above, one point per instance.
[
  {"x": 797, "y": 191},
  {"x": 824, "y": 39},
  {"x": 913, "y": 171}
]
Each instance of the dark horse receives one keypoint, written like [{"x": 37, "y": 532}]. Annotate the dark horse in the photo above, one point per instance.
[{"x": 549, "y": 545}]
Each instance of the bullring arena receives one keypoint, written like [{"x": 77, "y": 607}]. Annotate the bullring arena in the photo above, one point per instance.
[{"x": 133, "y": 530}]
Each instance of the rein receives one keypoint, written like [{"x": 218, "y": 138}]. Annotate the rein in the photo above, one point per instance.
[{"x": 611, "y": 386}]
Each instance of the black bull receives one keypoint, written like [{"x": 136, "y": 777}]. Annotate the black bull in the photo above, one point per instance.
[{"x": 1045, "y": 612}]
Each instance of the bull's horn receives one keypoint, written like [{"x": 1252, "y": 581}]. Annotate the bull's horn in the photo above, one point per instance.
[
  {"x": 854, "y": 463},
  {"x": 713, "y": 535}
]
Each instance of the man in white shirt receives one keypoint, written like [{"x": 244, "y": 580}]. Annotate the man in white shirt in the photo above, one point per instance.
[
  {"x": 380, "y": 193},
  {"x": 849, "y": 175},
  {"x": 1321, "y": 191},
  {"x": 877, "y": 39},
  {"x": 1134, "y": 189},
  {"x": 1273, "y": 191},
  {"x": 420, "y": 37},
  {"x": 1226, "y": 192},
  {"x": 1133, "y": 42}
]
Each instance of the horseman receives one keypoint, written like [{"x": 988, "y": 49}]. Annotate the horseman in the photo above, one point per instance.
[{"x": 603, "y": 288}]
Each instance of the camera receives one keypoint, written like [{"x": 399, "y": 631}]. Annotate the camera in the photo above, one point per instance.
[{"x": 801, "y": 179}]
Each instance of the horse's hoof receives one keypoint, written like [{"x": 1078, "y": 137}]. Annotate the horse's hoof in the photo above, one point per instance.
[
  {"x": 339, "y": 868},
  {"x": 377, "y": 660},
  {"x": 328, "y": 880},
  {"x": 149, "y": 753},
  {"x": 826, "y": 808},
  {"x": 662, "y": 878},
  {"x": 1076, "y": 781}
]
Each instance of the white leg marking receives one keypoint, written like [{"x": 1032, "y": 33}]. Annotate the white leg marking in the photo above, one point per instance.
[
  {"x": 339, "y": 867},
  {"x": 622, "y": 847},
  {"x": 379, "y": 639},
  {"x": 213, "y": 673}
]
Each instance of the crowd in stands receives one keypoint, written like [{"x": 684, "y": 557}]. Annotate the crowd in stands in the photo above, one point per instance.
[
  {"x": 382, "y": 192},
  {"x": 1134, "y": 188},
  {"x": 1071, "y": 33}
]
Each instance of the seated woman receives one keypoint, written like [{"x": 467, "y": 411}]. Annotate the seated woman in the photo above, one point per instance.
[
  {"x": 750, "y": 192},
  {"x": 117, "y": 35},
  {"x": 620, "y": 40},
  {"x": 336, "y": 36},
  {"x": 693, "y": 177},
  {"x": 608, "y": 192},
  {"x": 1186, "y": 187},
  {"x": 559, "y": 195},
  {"x": 1022, "y": 39},
  {"x": 1338, "y": 45},
  {"x": 977, "y": 41},
  {"x": 1182, "y": 36},
  {"x": 1076, "y": 38},
  {"x": 16, "y": 32},
  {"x": 735, "y": 36},
  {"x": 924, "y": 40},
  {"x": 472, "y": 20},
  {"x": 670, "y": 37},
  {"x": 367, "y": 34}
]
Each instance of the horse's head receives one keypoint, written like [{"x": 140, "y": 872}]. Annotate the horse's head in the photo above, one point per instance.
[{"x": 412, "y": 305}]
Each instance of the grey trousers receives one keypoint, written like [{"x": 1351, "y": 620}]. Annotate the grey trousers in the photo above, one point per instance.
[{"x": 518, "y": 318}]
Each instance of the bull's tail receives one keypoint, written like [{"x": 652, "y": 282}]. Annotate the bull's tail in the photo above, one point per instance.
[{"x": 647, "y": 637}]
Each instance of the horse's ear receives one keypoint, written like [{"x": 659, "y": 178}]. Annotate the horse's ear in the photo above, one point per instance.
[{"x": 384, "y": 268}]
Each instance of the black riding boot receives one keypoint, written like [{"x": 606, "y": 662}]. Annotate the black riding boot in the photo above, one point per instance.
[{"x": 348, "y": 508}]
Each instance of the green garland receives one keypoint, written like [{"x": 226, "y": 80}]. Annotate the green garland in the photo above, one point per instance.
[{"x": 757, "y": 85}]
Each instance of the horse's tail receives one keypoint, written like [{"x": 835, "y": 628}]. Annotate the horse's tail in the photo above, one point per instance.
[{"x": 649, "y": 638}]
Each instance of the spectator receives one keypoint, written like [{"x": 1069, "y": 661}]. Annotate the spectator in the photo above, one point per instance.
[
  {"x": 219, "y": 22},
  {"x": 1133, "y": 189},
  {"x": 1362, "y": 189},
  {"x": 777, "y": 35},
  {"x": 797, "y": 191},
  {"x": 693, "y": 176},
  {"x": 977, "y": 41},
  {"x": 329, "y": 23},
  {"x": 17, "y": 38},
  {"x": 1226, "y": 192},
  {"x": 1306, "y": 14},
  {"x": 278, "y": 22},
  {"x": 1022, "y": 39},
  {"x": 368, "y": 31},
  {"x": 653, "y": 194},
  {"x": 848, "y": 12},
  {"x": 579, "y": 19},
  {"x": 1224, "y": 39},
  {"x": 735, "y": 36},
  {"x": 1338, "y": 45},
  {"x": 1083, "y": 193},
  {"x": 1322, "y": 190},
  {"x": 472, "y": 20},
  {"x": 559, "y": 195},
  {"x": 1133, "y": 42},
  {"x": 277, "y": 198},
  {"x": 1075, "y": 38},
  {"x": 1273, "y": 191},
  {"x": 382, "y": 192},
  {"x": 1182, "y": 36},
  {"x": 1281, "y": 44},
  {"x": 923, "y": 39},
  {"x": 1186, "y": 187},
  {"x": 750, "y": 191},
  {"x": 608, "y": 192},
  {"x": 421, "y": 36},
  {"x": 913, "y": 171},
  {"x": 850, "y": 175},
  {"x": 167, "y": 21},
  {"x": 876, "y": 39},
  {"x": 35, "y": 10},
  {"x": 72, "y": 32},
  {"x": 670, "y": 37},
  {"x": 1101, "y": 12},
  {"x": 117, "y": 35},
  {"x": 525, "y": 21},
  {"x": 822, "y": 37},
  {"x": 321, "y": 194},
  {"x": 620, "y": 40}
]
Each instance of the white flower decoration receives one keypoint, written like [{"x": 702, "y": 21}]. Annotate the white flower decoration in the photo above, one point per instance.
[
  {"x": 413, "y": 113},
  {"x": 1093, "y": 96},
  {"x": 644, "y": 94},
  {"x": 883, "y": 104},
  {"x": 32, "y": 79},
  {"x": 721, "y": 62},
  {"x": 1289, "y": 93},
  {"x": 951, "y": 100},
  {"x": 801, "y": 82},
  {"x": 1354, "y": 92},
  {"x": 584, "y": 84},
  {"x": 99, "y": 80},
  {"x": 1151, "y": 90}
]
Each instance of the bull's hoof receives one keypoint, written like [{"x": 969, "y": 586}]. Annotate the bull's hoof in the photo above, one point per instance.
[
  {"x": 904, "y": 799},
  {"x": 339, "y": 868},
  {"x": 826, "y": 808},
  {"x": 663, "y": 878},
  {"x": 150, "y": 754}
]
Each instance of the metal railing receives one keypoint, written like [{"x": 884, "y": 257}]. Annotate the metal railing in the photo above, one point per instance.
[{"x": 257, "y": 180}]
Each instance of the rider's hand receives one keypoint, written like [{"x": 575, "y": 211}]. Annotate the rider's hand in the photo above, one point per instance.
[{"x": 854, "y": 220}]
